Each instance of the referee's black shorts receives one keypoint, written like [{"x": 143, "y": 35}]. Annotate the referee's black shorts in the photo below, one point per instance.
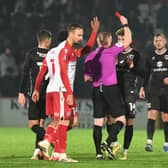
[
  {"x": 36, "y": 111},
  {"x": 107, "y": 100}
]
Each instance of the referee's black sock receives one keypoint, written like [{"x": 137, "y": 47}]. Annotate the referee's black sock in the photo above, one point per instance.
[
  {"x": 115, "y": 129},
  {"x": 128, "y": 136},
  {"x": 150, "y": 128},
  {"x": 97, "y": 136},
  {"x": 165, "y": 126},
  {"x": 108, "y": 127},
  {"x": 40, "y": 132}
]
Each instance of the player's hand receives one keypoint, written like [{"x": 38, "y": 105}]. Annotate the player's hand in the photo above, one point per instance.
[
  {"x": 87, "y": 78},
  {"x": 130, "y": 63},
  {"x": 165, "y": 80},
  {"x": 21, "y": 99},
  {"x": 35, "y": 96},
  {"x": 95, "y": 24},
  {"x": 123, "y": 20},
  {"x": 69, "y": 99},
  {"x": 142, "y": 93}
]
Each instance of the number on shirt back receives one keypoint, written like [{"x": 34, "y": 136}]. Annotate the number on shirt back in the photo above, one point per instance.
[{"x": 53, "y": 66}]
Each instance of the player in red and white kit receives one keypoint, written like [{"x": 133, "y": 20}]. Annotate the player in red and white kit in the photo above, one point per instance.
[{"x": 60, "y": 63}]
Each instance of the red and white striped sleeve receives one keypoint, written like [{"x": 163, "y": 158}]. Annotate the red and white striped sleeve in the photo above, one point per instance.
[
  {"x": 89, "y": 45},
  {"x": 63, "y": 61},
  {"x": 41, "y": 74}
]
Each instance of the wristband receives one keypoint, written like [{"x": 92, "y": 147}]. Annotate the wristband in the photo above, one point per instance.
[{"x": 125, "y": 25}]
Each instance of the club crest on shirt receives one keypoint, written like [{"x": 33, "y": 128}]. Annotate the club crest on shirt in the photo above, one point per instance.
[
  {"x": 65, "y": 57},
  {"x": 153, "y": 58},
  {"x": 166, "y": 57},
  {"x": 131, "y": 56}
]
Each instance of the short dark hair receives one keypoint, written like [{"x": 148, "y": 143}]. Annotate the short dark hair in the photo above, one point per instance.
[
  {"x": 43, "y": 34},
  {"x": 120, "y": 32},
  {"x": 74, "y": 26},
  {"x": 160, "y": 34}
]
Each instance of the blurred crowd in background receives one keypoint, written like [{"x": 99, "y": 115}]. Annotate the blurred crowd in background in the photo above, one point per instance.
[{"x": 21, "y": 19}]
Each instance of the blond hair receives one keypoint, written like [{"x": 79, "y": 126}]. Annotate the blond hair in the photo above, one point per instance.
[{"x": 103, "y": 38}]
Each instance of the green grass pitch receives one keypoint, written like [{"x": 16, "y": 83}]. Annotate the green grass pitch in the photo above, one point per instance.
[{"x": 17, "y": 145}]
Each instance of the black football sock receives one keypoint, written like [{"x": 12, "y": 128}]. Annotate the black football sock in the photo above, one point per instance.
[
  {"x": 115, "y": 129},
  {"x": 40, "y": 132},
  {"x": 97, "y": 136},
  {"x": 165, "y": 126},
  {"x": 110, "y": 127},
  {"x": 128, "y": 134},
  {"x": 150, "y": 128}
]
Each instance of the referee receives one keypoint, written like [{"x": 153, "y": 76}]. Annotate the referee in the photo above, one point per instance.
[{"x": 100, "y": 68}]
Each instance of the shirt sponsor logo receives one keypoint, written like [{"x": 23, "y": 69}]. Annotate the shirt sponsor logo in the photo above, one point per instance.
[
  {"x": 159, "y": 64},
  {"x": 66, "y": 50},
  {"x": 159, "y": 69},
  {"x": 41, "y": 54}
]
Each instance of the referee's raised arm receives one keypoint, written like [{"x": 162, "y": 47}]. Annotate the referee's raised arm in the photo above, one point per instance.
[{"x": 127, "y": 32}]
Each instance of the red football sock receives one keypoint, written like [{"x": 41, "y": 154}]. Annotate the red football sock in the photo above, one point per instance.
[
  {"x": 60, "y": 143},
  {"x": 49, "y": 135},
  {"x": 63, "y": 138},
  {"x": 56, "y": 141}
]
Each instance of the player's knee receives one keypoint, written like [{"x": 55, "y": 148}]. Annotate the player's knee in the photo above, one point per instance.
[
  {"x": 121, "y": 119},
  {"x": 130, "y": 122},
  {"x": 110, "y": 120},
  {"x": 32, "y": 123},
  {"x": 99, "y": 122},
  {"x": 152, "y": 114},
  {"x": 164, "y": 117}
]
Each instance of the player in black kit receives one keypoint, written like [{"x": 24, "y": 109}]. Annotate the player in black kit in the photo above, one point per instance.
[
  {"x": 156, "y": 74},
  {"x": 128, "y": 69},
  {"x": 36, "y": 112}
]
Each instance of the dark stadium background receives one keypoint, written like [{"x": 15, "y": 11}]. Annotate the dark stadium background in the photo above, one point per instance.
[{"x": 21, "y": 19}]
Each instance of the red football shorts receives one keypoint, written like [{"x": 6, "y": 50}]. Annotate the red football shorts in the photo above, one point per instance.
[{"x": 57, "y": 107}]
